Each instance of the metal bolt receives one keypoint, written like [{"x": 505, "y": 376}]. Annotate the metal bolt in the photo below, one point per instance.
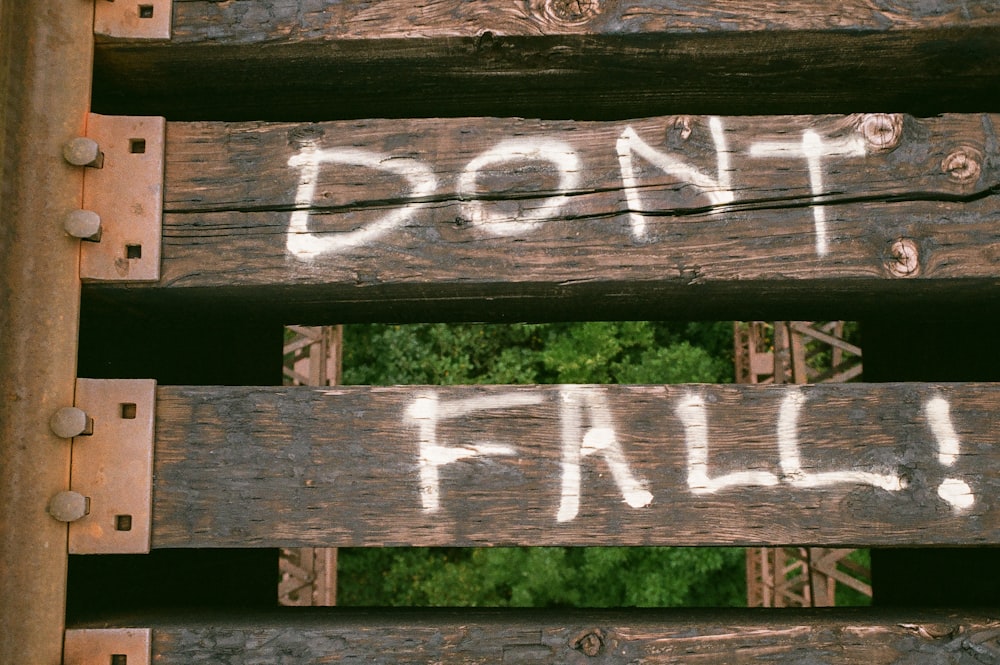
[
  {"x": 69, "y": 506},
  {"x": 904, "y": 258},
  {"x": 963, "y": 164},
  {"x": 83, "y": 224},
  {"x": 882, "y": 131},
  {"x": 590, "y": 642},
  {"x": 82, "y": 151},
  {"x": 69, "y": 421}
]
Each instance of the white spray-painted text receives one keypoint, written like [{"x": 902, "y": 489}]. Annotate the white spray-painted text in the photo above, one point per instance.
[
  {"x": 588, "y": 430},
  {"x": 718, "y": 191}
]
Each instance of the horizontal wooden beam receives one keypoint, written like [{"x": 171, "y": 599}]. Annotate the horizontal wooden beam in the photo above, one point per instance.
[
  {"x": 560, "y": 636},
  {"x": 308, "y": 59},
  {"x": 485, "y": 218},
  {"x": 848, "y": 464}
]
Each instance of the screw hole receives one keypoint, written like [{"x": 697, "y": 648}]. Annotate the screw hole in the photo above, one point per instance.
[
  {"x": 128, "y": 411},
  {"x": 137, "y": 146},
  {"x": 133, "y": 251},
  {"x": 119, "y": 659},
  {"x": 123, "y": 522},
  {"x": 145, "y": 11}
]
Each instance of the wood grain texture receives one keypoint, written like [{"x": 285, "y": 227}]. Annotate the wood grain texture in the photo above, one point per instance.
[
  {"x": 578, "y": 637},
  {"x": 485, "y": 218},
  {"x": 885, "y": 464},
  {"x": 324, "y": 59}
]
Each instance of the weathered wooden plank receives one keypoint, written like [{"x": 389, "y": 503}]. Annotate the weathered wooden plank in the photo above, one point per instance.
[
  {"x": 576, "y": 637},
  {"x": 308, "y": 59},
  {"x": 668, "y": 216},
  {"x": 883, "y": 464}
]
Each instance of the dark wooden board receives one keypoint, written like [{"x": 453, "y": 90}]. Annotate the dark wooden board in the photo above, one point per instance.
[
  {"x": 561, "y": 637},
  {"x": 577, "y": 465},
  {"x": 597, "y": 59},
  {"x": 484, "y": 218}
]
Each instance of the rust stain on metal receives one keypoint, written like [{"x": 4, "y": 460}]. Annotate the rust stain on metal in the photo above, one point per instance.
[
  {"x": 127, "y": 194},
  {"x": 133, "y": 19},
  {"x": 113, "y": 467},
  {"x": 101, "y": 646}
]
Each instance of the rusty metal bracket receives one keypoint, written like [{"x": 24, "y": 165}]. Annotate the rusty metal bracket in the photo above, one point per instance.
[
  {"x": 133, "y": 19},
  {"x": 107, "y": 646},
  {"x": 126, "y": 192},
  {"x": 113, "y": 467}
]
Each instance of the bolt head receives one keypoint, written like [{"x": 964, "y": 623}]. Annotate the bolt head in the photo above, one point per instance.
[
  {"x": 68, "y": 422},
  {"x": 81, "y": 151},
  {"x": 83, "y": 224},
  {"x": 69, "y": 506}
]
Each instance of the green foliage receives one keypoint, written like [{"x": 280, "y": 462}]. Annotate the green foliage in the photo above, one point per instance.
[
  {"x": 595, "y": 352},
  {"x": 543, "y": 577},
  {"x": 858, "y": 560}
]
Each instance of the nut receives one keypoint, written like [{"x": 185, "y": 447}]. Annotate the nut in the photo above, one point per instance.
[{"x": 904, "y": 258}]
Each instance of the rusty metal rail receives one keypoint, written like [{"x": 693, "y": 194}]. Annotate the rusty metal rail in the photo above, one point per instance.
[{"x": 46, "y": 53}]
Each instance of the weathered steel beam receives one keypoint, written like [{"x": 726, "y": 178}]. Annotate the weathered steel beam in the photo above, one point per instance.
[{"x": 45, "y": 81}]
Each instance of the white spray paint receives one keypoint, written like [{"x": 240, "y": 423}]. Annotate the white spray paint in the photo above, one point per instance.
[
  {"x": 559, "y": 153},
  {"x": 693, "y": 415},
  {"x": 599, "y": 438},
  {"x": 588, "y": 429},
  {"x": 718, "y": 190},
  {"x": 304, "y": 244},
  {"x": 791, "y": 461},
  {"x": 813, "y": 149},
  {"x": 428, "y": 412},
  {"x": 954, "y": 491}
]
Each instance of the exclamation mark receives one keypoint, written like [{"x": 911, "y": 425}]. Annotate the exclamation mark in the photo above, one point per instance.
[{"x": 954, "y": 491}]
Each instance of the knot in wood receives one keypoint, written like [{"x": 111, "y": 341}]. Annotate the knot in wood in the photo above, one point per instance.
[
  {"x": 963, "y": 164},
  {"x": 882, "y": 131},
  {"x": 485, "y": 41},
  {"x": 305, "y": 136},
  {"x": 904, "y": 258},
  {"x": 570, "y": 12},
  {"x": 590, "y": 642},
  {"x": 682, "y": 126}
]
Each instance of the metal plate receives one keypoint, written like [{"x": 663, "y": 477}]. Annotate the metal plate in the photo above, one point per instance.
[
  {"x": 114, "y": 467},
  {"x": 133, "y": 19},
  {"x": 127, "y": 193},
  {"x": 107, "y": 646}
]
